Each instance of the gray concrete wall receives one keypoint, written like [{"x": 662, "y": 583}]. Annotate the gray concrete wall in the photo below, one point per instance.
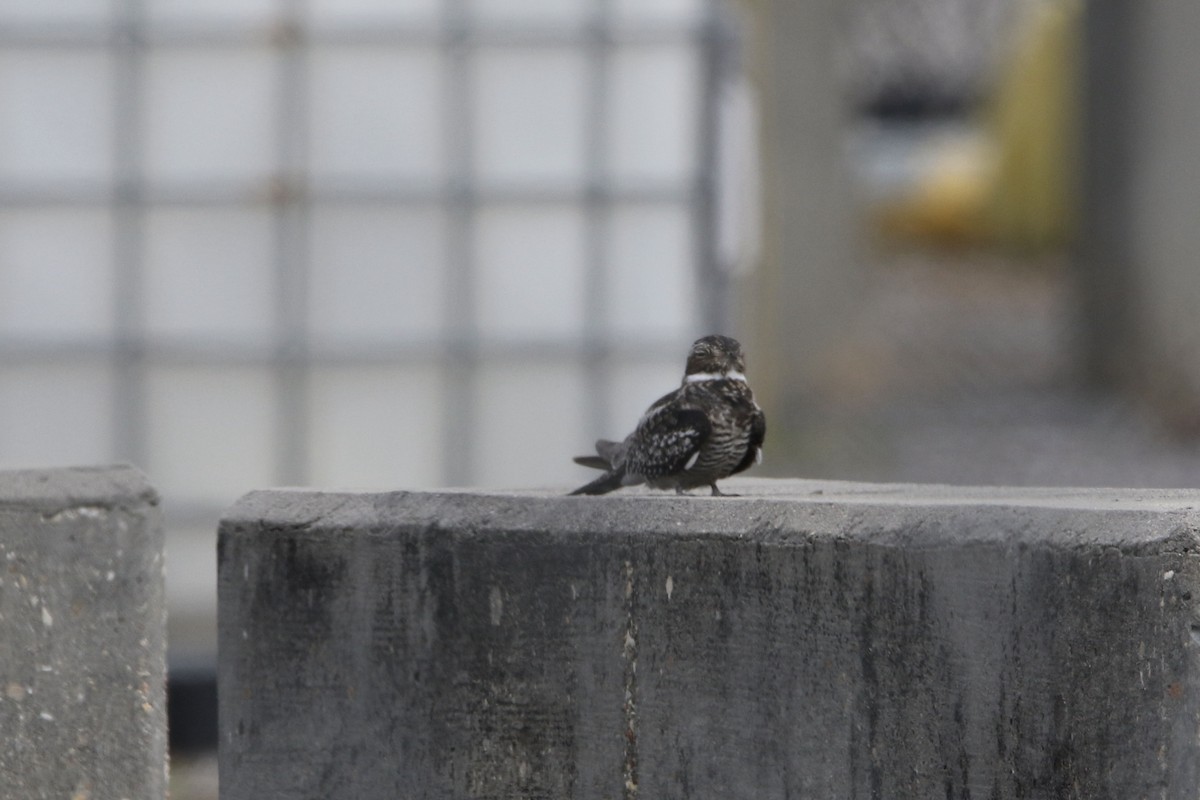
[
  {"x": 808, "y": 640},
  {"x": 1140, "y": 241},
  {"x": 82, "y": 636},
  {"x": 797, "y": 305}
]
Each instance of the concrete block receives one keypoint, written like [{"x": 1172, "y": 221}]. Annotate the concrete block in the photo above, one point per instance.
[
  {"x": 82, "y": 636},
  {"x": 807, "y": 640}
]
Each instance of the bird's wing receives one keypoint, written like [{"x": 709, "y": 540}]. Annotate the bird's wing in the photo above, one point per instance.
[
  {"x": 758, "y": 433},
  {"x": 666, "y": 439}
]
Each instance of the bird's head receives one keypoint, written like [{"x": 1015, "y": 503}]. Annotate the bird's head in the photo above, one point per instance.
[{"x": 715, "y": 357}]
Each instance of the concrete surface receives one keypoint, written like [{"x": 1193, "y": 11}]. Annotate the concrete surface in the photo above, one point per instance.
[
  {"x": 806, "y": 273},
  {"x": 82, "y": 636},
  {"x": 1139, "y": 241},
  {"x": 807, "y": 640}
]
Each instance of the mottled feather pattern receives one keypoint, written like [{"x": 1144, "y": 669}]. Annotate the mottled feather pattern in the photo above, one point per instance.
[
  {"x": 707, "y": 429},
  {"x": 664, "y": 441},
  {"x": 730, "y": 409}
]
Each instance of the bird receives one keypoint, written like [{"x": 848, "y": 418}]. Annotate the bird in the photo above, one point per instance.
[{"x": 704, "y": 431}]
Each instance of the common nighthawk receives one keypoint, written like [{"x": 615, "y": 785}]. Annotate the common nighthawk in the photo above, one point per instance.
[{"x": 706, "y": 430}]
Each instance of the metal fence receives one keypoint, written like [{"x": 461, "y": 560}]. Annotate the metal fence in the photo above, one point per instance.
[
  {"x": 348, "y": 242},
  {"x": 310, "y": 242}
]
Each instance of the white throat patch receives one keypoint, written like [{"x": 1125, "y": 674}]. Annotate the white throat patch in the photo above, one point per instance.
[{"x": 732, "y": 375}]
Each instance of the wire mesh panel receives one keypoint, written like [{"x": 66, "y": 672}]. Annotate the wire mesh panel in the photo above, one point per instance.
[{"x": 348, "y": 242}]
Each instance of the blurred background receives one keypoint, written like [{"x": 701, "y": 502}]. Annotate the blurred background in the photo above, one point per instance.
[{"x": 390, "y": 244}]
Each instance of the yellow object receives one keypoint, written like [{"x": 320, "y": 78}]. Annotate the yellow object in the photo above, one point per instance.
[
  {"x": 1035, "y": 117},
  {"x": 1015, "y": 184},
  {"x": 948, "y": 202}
]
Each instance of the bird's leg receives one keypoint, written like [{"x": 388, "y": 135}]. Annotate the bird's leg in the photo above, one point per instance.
[
  {"x": 718, "y": 493},
  {"x": 679, "y": 490}
]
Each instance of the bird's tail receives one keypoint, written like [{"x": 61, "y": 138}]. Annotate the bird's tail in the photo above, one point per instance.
[
  {"x": 613, "y": 479},
  {"x": 595, "y": 462},
  {"x": 608, "y": 454},
  {"x": 609, "y": 451}
]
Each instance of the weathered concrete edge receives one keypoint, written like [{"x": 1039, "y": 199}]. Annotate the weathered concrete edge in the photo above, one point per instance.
[
  {"x": 1141, "y": 521},
  {"x": 53, "y": 489}
]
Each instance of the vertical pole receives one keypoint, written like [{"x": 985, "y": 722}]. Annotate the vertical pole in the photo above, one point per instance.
[
  {"x": 1103, "y": 258},
  {"x": 1140, "y": 243},
  {"x": 596, "y": 207},
  {"x": 799, "y": 299},
  {"x": 128, "y": 209},
  {"x": 712, "y": 279},
  {"x": 461, "y": 332},
  {"x": 291, "y": 213}
]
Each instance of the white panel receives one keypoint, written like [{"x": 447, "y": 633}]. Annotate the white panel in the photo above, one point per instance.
[
  {"x": 223, "y": 12},
  {"x": 55, "y": 416},
  {"x": 635, "y": 386},
  {"x": 209, "y": 273},
  {"x": 532, "y": 12},
  {"x": 530, "y": 424},
  {"x": 376, "y": 112},
  {"x": 530, "y": 108},
  {"x": 531, "y": 272},
  {"x": 676, "y": 12},
  {"x": 56, "y": 273},
  {"x": 655, "y": 93},
  {"x": 210, "y": 114},
  {"x": 652, "y": 280},
  {"x": 74, "y": 12},
  {"x": 377, "y": 273},
  {"x": 211, "y": 432},
  {"x": 377, "y": 427},
  {"x": 56, "y": 114},
  {"x": 357, "y": 12}
]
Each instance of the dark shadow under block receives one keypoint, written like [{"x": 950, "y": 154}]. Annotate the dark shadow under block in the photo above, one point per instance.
[{"x": 807, "y": 640}]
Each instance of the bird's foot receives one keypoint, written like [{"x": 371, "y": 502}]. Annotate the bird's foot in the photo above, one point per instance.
[{"x": 718, "y": 493}]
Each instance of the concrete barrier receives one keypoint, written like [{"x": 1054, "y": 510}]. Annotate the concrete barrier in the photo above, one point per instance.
[
  {"x": 808, "y": 640},
  {"x": 82, "y": 636}
]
